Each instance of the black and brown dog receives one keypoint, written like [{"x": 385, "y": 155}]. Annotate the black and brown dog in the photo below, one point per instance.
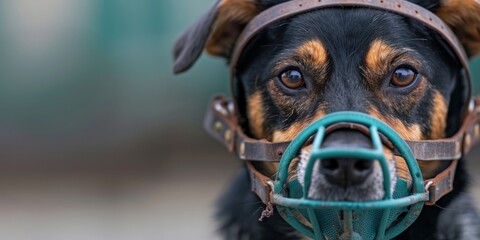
[{"x": 346, "y": 59}]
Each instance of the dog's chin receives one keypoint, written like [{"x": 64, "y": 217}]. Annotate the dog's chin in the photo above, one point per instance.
[{"x": 320, "y": 189}]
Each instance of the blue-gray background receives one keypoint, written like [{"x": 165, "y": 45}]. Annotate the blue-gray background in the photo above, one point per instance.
[{"x": 98, "y": 139}]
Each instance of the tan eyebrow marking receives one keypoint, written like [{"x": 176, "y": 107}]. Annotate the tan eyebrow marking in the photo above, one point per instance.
[
  {"x": 378, "y": 55},
  {"x": 313, "y": 52}
]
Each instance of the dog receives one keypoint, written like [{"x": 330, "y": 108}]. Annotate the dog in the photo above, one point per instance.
[{"x": 303, "y": 68}]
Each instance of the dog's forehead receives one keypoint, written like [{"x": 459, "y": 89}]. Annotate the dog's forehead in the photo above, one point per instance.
[{"x": 350, "y": 32}]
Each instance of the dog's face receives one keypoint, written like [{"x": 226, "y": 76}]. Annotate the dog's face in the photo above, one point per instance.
[{"x": 348, "y": 59}]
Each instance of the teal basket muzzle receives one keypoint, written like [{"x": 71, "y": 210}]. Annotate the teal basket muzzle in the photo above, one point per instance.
[{"x": 377, "y": 219}]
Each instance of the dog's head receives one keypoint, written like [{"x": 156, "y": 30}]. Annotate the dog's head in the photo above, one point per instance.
[{"x": 342, "y": 59}]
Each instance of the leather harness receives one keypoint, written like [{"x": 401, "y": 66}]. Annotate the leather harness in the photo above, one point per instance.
[{"x": 221, "y": 120}]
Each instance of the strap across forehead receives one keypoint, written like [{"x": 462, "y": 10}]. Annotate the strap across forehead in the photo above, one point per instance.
[{"x": 295, "y": 7}]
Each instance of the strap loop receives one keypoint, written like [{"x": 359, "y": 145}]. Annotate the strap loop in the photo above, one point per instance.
[{"x": 441, "y": 184}]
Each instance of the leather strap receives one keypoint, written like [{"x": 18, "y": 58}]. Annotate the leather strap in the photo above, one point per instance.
[
  {"x": 261, "y": 185},
  {"x": 221, "y": 124}
]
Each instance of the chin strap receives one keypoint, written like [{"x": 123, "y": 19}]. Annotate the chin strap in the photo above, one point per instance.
[{"x": 221, "y": 123}]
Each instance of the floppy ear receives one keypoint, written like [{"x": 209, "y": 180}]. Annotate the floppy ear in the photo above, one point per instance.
[
  {"x": 463, "y": 17},
  {"x": 216, "y": 31}
]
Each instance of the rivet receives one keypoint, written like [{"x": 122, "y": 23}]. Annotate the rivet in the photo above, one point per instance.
[
  {"x": 228, "y": 135},
  {"x": 242, "y": 150},
  {"x": 217, "y": 126}
]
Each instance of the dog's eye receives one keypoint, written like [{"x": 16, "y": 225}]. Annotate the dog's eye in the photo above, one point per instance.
[
  {"x": 403, "y": 77},
  {"x": 292, "y": 79}
]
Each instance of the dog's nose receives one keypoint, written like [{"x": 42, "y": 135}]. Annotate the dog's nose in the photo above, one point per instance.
[{"x": 345, "y": 172}]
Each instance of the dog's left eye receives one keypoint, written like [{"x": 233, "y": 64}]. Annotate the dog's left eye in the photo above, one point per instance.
[
  {"x": 292, "y": 79},
  {"x": 403, "y": 76}
]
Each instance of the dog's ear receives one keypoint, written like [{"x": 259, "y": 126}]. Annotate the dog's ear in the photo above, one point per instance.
[
  {"x": 216, "y": 32},
  {"x": 463, "y": 17}
]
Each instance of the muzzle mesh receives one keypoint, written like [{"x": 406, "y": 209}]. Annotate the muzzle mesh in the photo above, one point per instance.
[{"x": 376, "y": 219}]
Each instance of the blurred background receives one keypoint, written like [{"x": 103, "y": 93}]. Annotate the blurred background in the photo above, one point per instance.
[{"x": 98, "y": 140}]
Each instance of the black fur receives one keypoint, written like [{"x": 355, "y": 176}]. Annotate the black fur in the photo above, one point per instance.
[{"x": 346, "y": 34}]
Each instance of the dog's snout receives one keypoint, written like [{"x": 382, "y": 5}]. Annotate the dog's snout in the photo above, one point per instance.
[
  {"x": 345, "y": 172},
  {"x": 347, "y": 139}
]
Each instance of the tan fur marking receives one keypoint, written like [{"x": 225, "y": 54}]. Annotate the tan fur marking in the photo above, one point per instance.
[
  {"x": 439, "y": 116},
  {"x": 255, "y": 118},
  {"x": 402, "y": 170},
  {"x": 313, "y": 52},
  {"x": 428, "y": 168},
  {"x": 438, "y": 124},
  {"x": 256, "y": 115},
  {"x": 232, "y": 17},
  {"x": 320, "y": 112},
  {"x": 463, "y": 16},
  {"x": 292, "y": 169},
  {"x": 378, "y": 57},
  {"x": 290, "y": 133},
  {"x": 412, "y": 132},
  {"x": 294, "y": 129},
  {"x": 409, "y": 133}
]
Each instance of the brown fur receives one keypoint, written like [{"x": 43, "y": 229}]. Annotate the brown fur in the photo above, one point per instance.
[
  {"x": 407, "y": 132},
  {"x": 256, "y": 117},
  {"x": 295, "y": 129},
  {"x": 232, "y": 17},
  {"x": 463, "y": 16},
  {"x": 378, "y": 58},
  {"x": 439, "y": 116},
  {"x": 256, "y": 114},
  {"x": 288, "y": 135},
  {"x": 438, "y": 125},
  {"x": 412, "y": 132},
  {"x": 313, "y": 53}
]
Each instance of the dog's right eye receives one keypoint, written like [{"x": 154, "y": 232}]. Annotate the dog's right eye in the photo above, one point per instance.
[{"x": 292, "y": 79}]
